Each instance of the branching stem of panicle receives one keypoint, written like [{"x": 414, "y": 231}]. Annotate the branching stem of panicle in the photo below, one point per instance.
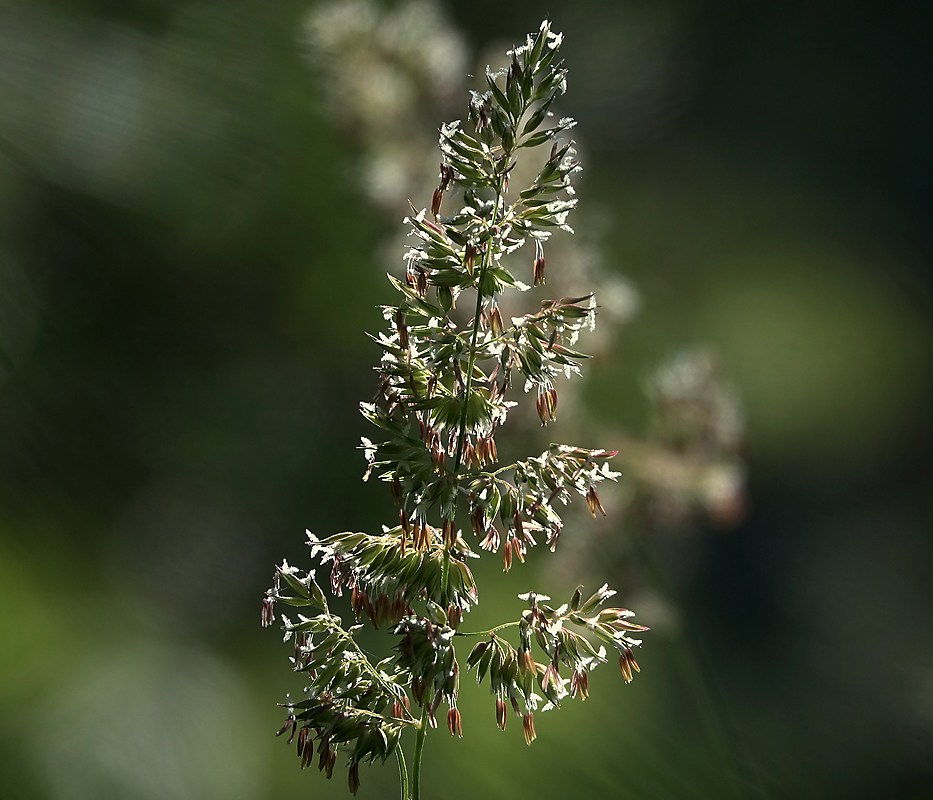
[
  {"x": 461, "y": 435},
  {"x": 487, "y": 258},
  {"x": 461, "y": 439},
  {"x": 491, "y": 630}
]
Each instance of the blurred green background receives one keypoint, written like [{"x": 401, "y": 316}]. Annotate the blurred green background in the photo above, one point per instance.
[{"x": 187, "y": 265}]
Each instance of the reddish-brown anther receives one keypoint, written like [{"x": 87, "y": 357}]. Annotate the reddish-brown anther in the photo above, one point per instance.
[
  {"x": 630, "y": 657},
  {"x": 324, "y": 760},
  {"x": 418, "y": 690},
  {"x": 306, "y": 754},
  {"x": 268, "y": 615},
  {"x": 579, "y": 684},
  {"x": 515, "y": 708},
  {"x": 353, "y": 778},
  {"x": 491, "y": 542},
  {"x": 446, "y": 174},
  {"x": 368, "y": 607},
  {"x": 469, "y": 258},
  {"x": 526, "y": 661},
  {"x": 506, "y": 558},
  {"x": 401, "y": 327},
  {"x": 625, "y": 667},
  {"x": 382, "y": 610},
  {"x": 477, "y": 521},
  {"x": 546, "y": 404},
  {"x": 436, "y": 201},
  {"x": 450, "y": 533},
  {"x": 538, "y": 271},
  {"x": 501, "y": 713},
  {"x": 454, "y": 724},
  {"x": 336, "y": 577},
  {"x": 302, "y": 740},
  {"x": 291, "y": 722},
  {"x": 478, "y": 456},
  {"x": 484, "y": 319},
  {"x": 300, "y": 641},
  {"x": 593, "y": 502},
  {"x": 495, "y": 322},
  {"x": 518, "y": 547},
  {"x": 541, "y": 407},
  {"x": 483, "y": 114},
  {"x": 528, "y": 725}
]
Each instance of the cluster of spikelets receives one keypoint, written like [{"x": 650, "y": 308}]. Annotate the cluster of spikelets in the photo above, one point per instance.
[{"x": 445, "y": 374}]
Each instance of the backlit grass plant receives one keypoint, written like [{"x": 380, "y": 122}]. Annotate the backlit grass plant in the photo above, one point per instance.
[{"x": 445, "y": 389}]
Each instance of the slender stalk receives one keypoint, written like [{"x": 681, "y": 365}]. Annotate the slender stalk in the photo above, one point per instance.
[
  {"x": 487, "y": 258},
  {"x": 402, "y": 771},
  {"x": 491, "y": 630},
  {"x": 461, "y": 435},
  {"x": 419, "y": 749},
  {"x": 461, "y": 438}
]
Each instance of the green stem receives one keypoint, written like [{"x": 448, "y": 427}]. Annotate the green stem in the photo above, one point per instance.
[
  {"x": 402, "y": 770},
  {"x": 491, "y": 630},
  {"x": 461, "y": 436},
  {"x": 487, "y": 258},
  {"x": 419, "y": 749}
]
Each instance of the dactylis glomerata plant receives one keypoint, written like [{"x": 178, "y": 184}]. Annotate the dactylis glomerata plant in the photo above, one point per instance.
[{"x": 441, "y": 400}]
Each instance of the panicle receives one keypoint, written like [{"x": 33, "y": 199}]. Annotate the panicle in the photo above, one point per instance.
[{"x": 443, "y": 392}]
